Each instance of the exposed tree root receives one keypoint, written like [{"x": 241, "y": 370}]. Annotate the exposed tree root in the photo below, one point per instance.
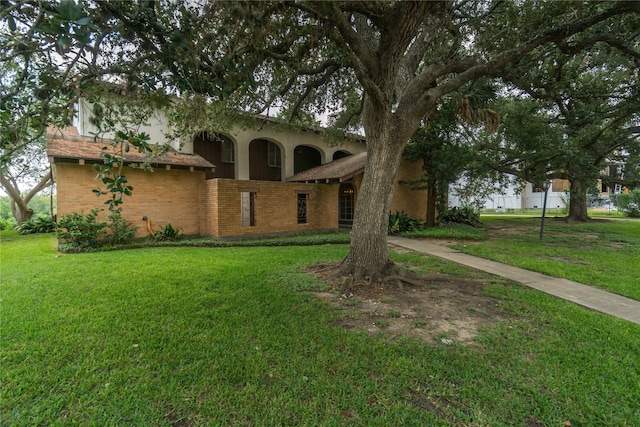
[
  {"x": 399, "y": 280},
  {"x": 391, "y": 277}
]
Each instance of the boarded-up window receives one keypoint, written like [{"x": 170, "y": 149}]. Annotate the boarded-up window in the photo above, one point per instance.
[
  {"x": 559, "y": 185},
  {"x": 248, "y": 208}
]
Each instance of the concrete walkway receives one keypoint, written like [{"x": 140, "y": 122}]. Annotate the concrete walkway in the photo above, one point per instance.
[{"x": 586, "y": 296}]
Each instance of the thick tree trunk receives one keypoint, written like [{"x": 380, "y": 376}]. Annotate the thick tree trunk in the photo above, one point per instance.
[
  {"x": 19, "y": 203},
  {"x": 368, "y": 256},
  {"x": 578, "y": 202},
  {"x": 387, "y": 135},
  {"x": 20, "y": 211}
]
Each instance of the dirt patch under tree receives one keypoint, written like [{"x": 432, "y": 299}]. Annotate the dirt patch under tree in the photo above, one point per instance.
[{"x": 435, "y": 308}]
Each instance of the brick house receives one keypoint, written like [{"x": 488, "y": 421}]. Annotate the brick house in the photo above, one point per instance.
[{"x": 254, "y": 181}]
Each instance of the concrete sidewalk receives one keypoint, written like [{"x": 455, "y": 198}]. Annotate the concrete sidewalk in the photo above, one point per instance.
[{"x": 586, "y": 296}]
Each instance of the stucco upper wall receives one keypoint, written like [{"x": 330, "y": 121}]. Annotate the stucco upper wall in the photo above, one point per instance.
[
  {"x": 157, "y": 126},
  {"x": 287, "y": 140},
  {"x": 241, "y": 135}
]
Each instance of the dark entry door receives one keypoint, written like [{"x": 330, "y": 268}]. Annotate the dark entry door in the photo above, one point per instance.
[
  {"x": 346, "y": 205},
  {"x": 219, "y": 150}
]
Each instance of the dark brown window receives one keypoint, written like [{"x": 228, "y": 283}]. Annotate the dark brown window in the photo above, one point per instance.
[
  {"x": 219, "y": 150},
  {"x": 305, "y": 158},
  {"x": 340, "y": 154},
  {"x": 302, "y": 208}
]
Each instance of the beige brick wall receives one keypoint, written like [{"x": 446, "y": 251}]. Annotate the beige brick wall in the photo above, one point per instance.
[
  {"x": 164, "y": 196},
  {"x": 195, "y": 206},
  {"x": 275, "y": 207},
  {"x": 413, "y": 202}
]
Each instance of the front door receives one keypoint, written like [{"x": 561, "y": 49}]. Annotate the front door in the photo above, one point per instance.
[{"x": 346, "y": 205}]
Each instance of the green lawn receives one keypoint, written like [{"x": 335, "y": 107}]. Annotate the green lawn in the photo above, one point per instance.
[
  {"x": 603, "y": 253},
  {"x": 224, "y": 336}
]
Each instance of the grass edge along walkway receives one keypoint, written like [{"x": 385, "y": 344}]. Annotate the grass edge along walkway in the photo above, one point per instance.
[{"x": 586, "y": 296}]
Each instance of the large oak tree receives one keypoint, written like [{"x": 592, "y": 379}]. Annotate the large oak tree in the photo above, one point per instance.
[
  {"x": 406, "y": 56},
  {"x": 41, "y": 45},
  {"x": 384, "y": 65}
]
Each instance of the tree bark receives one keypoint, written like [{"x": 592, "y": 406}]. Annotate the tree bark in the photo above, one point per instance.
[
  {"x": 387, "y": 135},
  {"x": 19, "y": 203},
  {"x": 368, "y": 256},
  {"x": 578, "y": 202},
  {"x": 20, "y": 211}
]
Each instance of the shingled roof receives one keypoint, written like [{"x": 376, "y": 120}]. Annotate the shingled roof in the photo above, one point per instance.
[
  {"x": 337, "y": 171},
  {"x": 65, "y": 145}
]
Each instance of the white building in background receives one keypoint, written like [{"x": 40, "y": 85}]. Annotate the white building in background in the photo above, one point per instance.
[
  {"x": 527, "y": 196},
  {"x": 517, "y": 197}
]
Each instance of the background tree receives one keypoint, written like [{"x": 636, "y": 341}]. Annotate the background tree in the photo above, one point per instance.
[
  {"x": 41, "y": 44},
  {"x": 444, "y": 146},
  {"x": 625, "y": 163},
  {"x": 26, "y": 169},
  {"x": 567, "y": 116}
]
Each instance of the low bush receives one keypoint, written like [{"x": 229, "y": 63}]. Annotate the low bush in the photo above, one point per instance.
[
  {"x": 6, "y": 224},
  {"x": 461, "y": 215},
  {"x": 37, "y": 224},
  {"x": 628, "y": 204},
  {"x": 401, "y": 222},
  {"x": 78, "y": 232},
  {"x": 168, "y": 233},
  {"x": 122, "y": 230}
]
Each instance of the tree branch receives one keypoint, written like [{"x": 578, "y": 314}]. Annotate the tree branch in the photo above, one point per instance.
[{"x": 494, "y": 66}]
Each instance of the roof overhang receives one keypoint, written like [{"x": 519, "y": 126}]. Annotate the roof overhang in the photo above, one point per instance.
[
  {"x": 65, "y": 145},
  {"x": 334, "y": 172}
]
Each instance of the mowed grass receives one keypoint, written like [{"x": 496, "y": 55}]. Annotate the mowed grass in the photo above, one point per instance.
[
  {"x": 602, "y": 253},
  {"x": 210, "y": 336}
]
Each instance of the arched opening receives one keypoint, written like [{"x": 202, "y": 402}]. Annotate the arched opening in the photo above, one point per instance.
[
  {"x": 219, "y": 150},
  {"x": 265, "y": 160},
  {"x": 305, "y": 157},
  {"x": 346, "y": 205},
  {"x": 340, "y": 154}
]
